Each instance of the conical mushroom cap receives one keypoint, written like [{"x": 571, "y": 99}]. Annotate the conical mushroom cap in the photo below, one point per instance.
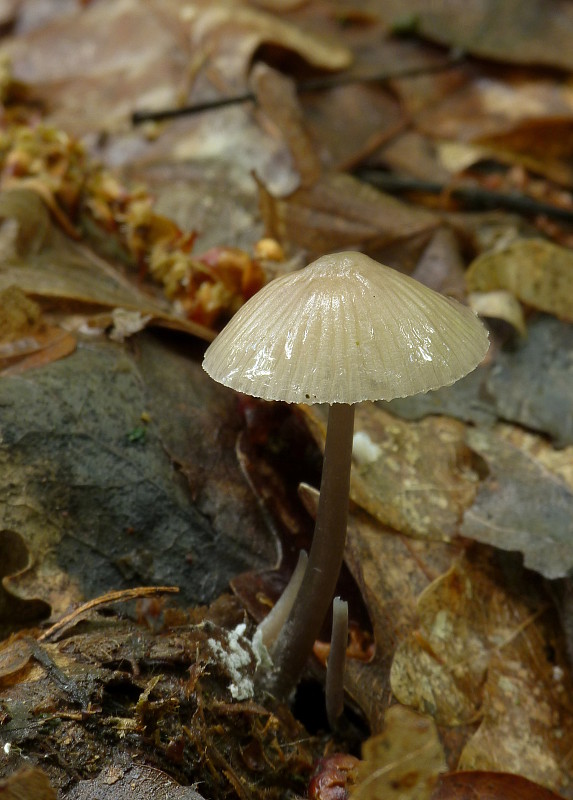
[{"x": 342, "y": 330}]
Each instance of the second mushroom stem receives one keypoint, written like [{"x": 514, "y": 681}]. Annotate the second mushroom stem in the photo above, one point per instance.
[{"x": 294, "y": 644}]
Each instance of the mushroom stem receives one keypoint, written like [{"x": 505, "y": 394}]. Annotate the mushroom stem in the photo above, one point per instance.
[
  {"x": 336, "y": 663},
  {"x": 294, "y": 643}
]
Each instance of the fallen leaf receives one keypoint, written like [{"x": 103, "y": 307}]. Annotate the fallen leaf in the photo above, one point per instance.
[
  {"x": 120, "y": 783},
  {"x": 537, "y": 272},
  {"x": 391, "y": 571},
  {"x": 394, "y": 485},
  {"x": 530, "y": 383},
  {"x": 474, "y": 785},
  {"x": 480, "y": 654},
  {"x": 499, "y": 304},
  {"x": 339, "y": 212},
  {"x": 16, "y": 561},
  {"x": 27, "y": 783},
  {"x": 47, "y": 266},
  {"x": 500, "y": 30},
  {"x": 89, "y": 486},
  {"x": 402, "y": 762},
  {"x": 523, "y": 505},
  {"x": 95, "y": 81}
]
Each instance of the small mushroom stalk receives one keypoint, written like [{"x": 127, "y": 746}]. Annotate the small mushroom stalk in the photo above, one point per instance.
[{"x": 294, "y": 643}]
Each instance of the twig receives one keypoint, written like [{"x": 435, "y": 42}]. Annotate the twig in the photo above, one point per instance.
[
  {"x": 311, "y": 85},
  {"x": 472, "y": 196},
  {"x": 112, "y": 597}
]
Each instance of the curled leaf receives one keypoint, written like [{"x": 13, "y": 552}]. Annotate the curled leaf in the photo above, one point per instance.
[{"x": 537, "y": 272}]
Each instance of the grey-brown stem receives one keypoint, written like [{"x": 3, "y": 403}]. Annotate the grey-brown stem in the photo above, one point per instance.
[{"x": 294, "y": 644}]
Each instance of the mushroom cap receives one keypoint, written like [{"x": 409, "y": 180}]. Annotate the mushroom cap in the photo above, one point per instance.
[{"x": 342, "y": 330}]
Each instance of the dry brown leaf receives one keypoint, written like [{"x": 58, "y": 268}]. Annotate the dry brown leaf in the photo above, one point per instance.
[
  {"x": 481, "y": 653},
  {"x": 403, "y": 762},
  {"x": 28, "y": 783},
  {"x": 515, "y": 31},
  {"x": 473, "y": 785},
  {"x": 339, "y": 212},
  {"x": 492, "y": 111},
  {"x": 537, "y": 272},
  {"x": 44, "y": 264},
  {"x": 391, "y": 571},
  {"x": 92, "y": 75},
  {"x": 542, "y": 145}
]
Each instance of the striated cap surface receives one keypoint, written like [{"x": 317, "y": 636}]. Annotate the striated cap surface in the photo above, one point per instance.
[{"x": 342, "y": 330}]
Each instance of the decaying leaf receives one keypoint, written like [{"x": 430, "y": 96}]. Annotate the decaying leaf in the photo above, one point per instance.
[
  {"x": 537, "y": 272},
  {"x": 499, "y": 304},
  {"x": 89, "y": 484},
  {"x": 524, "y": 504},
  {"x": 403, "y": 762},
  {"x": 532, "y": 383},
  {"x": 391, "y": 571},
  {"x": 16, "y": 561},
  {"x": 47, "y": 266},
  {"x": 26, "y": 340},
  {"x": 481, "y": 653}
]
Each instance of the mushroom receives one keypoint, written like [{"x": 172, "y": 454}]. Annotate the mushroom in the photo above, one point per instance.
[{"x": 342, "y": 330}]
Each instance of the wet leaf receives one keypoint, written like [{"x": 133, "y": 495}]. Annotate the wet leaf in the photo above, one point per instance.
[
  {"x": 169, "y": 48},
  {"x": 402, "y": 762},
  {"x": 537, "y": 272},
  {"x": 16, "y": 561},
  {"x": 529, "y": 383},
  {"x": 390, "y": 570}
]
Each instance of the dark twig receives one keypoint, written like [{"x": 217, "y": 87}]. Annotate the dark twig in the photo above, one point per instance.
[
  {"x": 311, "y": 85},
  {"x": 470, "y": 195}
]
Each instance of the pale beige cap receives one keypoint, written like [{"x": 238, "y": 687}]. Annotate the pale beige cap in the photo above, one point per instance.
[{"x": 342, "y": 330}]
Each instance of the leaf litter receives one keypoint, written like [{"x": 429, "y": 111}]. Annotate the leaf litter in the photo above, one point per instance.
[{"x": 509, "y": 687}]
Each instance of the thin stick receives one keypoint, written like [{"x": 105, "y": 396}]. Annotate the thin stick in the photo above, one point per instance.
[
  {"x": 472, "y": 196},
  {"x": 313, "y": 85},
  {"x": 120, "y": 596}
]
